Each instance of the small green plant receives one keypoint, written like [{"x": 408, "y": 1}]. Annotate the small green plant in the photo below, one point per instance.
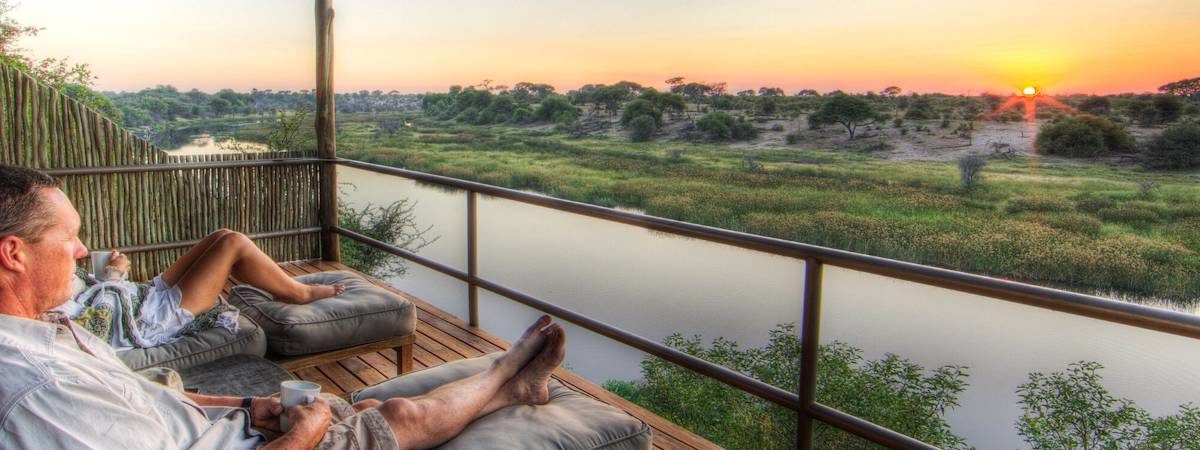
[
  {"x": 675, "y": 154},
  {"x": 394, "y": 223},
  {"x": 970, "y": 170}
]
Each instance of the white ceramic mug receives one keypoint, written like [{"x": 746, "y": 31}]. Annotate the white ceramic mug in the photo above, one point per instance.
[
  {"x": 99, "y": 260},
  {"x": 295, "y": 392}
]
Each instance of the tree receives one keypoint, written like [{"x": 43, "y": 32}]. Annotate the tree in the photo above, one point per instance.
[
  {"x": 557, "y": 109},
  {"x": 664, "y": 101},
  {"x": 808, "y": 93},
  {"x": 848, "y": 111},
  {"x": 1083, "y": 136},
  {"x": 770, "y": 92},
  {"x": 890, "y": 391},
  {"x": 526, "y": 92},
  {"x": 1183, "y": 88},
  {"x": 891, "y": 91}
]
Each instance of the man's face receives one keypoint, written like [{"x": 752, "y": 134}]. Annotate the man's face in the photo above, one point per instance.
[{"x": 52, "y": 258}]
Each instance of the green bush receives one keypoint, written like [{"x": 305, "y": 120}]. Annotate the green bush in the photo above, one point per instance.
[
  {"x": 557, "y": 109},
  {"x": 394, "y": 223},
  {"x": 642, "y": 128},
  {"x": 1083, "y": 136},
  {"x": 1178, "y": 147},
  {"x": 720, "y": 126},
  {"x": 641, "y": 107},
  {"x": 890, "y": 391},
  {"x": 1074, "y": 222},
  {"x": 1073, "y": 410}
]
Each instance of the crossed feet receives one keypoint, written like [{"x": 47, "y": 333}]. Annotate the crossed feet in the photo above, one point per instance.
[{"x": 541, "y": 348}]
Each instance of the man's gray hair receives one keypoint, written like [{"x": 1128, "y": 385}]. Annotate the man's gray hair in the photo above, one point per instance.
[{"x": 24, "y": 212}]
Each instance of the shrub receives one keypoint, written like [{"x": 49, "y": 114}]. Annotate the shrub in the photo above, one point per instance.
[
  {"x": 641, "y": 107},
  {"x": 720, "y": 126},
  {"x": 890, "y": 391},
  {"x": 1178, "y": 147},
  {"x": 675, "y": 154},
  {"x": 970, "y": 170},
  {"x": 792, "y": 138},
  {"x": 394, "y": 223},
  {"x": 557, "y": 109},
  {"x": 1072, "y": 408},
  {"x": 1096, "y": 105},
  {"x": 1071, "y": 137},
  {"x": 642, "y": 128}
]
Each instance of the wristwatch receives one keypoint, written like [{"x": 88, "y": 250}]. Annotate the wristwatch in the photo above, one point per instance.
[{"x": 246, "y": 401}]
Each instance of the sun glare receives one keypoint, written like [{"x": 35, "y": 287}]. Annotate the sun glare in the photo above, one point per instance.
[{"x": 1029, "y": 91}]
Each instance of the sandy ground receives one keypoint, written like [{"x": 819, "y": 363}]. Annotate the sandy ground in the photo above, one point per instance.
[{"x": 924, "y": 140}]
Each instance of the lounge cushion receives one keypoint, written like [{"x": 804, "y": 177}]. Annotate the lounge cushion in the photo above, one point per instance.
[
  {"x": 363, "y": 313},
  {"x": 570, "y": 421},
  {"x": 200, "y": 348}
]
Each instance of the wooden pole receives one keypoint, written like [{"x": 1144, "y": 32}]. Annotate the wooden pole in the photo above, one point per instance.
[{"x": 326, "y": 131}]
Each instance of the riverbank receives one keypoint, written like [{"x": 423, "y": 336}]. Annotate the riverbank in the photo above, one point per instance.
[{"x": 1095, "y": 227}]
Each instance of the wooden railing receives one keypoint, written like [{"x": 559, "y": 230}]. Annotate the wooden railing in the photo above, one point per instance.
[{"x": 134, "y": 197}]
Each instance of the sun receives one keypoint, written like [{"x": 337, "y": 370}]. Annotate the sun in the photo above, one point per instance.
[{"x": 1029, "y": 91}]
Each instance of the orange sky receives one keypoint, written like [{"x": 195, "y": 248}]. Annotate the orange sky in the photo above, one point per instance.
[{"x": 1099, "y": 46}]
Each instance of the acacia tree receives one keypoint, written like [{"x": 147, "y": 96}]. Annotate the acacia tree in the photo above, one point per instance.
[
  {"x": 1185, "y": 88},
  {"x": 848, "y": 111},
  {"x": 891, "y": 91}
]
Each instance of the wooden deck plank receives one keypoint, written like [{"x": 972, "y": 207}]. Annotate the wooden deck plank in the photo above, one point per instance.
[
  {"x": 381, "y": 363},
  {"x": 315, "y": 376},
  {"x": 442, "y": 337},
  {"x": 345, "y": 380},
  {"x": 365, "y": 373}
]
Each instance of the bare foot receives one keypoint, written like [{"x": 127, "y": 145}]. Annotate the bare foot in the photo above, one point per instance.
[
  {"x": 320, "y": 291},
  {"x": 530, "y": 385},
  {"x": 526, "y": 347}
]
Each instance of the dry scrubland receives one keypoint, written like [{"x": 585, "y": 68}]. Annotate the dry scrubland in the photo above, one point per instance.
[{"x": 1097, "y": 226}]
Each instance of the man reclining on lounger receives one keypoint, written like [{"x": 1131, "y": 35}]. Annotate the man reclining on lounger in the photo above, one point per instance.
[{"x": 64, "y": 388}]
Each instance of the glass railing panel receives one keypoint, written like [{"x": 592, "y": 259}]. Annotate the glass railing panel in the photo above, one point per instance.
[{"x": 998, "y": 344}]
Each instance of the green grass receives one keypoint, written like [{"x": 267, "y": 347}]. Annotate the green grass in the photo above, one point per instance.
[{"x": 1084, "y": 226}]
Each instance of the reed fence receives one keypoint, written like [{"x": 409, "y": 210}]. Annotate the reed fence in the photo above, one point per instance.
[{"x": 127, "y": 203}]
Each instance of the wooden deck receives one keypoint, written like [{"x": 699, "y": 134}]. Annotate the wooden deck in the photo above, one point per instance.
[{"x": 441, "y": 337}]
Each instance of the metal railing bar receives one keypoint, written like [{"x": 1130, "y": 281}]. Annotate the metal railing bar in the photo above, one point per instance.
[
  {"x": 189, "y": 243},
  {"x": 472, "y": 258},
  {"x": 443, "y": 268},
  {"x": 1141, "y": 316},
  {"x": 107, "y": 170},
  {"x": 865, "y": 429},
  {"x": 810, "y": 336},
  {"x": 720, "y": 373}
]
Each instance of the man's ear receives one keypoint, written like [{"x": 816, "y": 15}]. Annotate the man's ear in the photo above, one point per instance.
[{"x": 13, "y": 256}]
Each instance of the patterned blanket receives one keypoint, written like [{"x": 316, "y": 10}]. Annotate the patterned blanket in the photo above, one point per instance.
[{"x": 110, "y": 310}]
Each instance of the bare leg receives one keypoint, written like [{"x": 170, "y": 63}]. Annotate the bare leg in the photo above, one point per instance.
[
  {"x": 434, "y": 418},
  {"x": 184, "y": 263},
  {"x": 234, "y": 254}
]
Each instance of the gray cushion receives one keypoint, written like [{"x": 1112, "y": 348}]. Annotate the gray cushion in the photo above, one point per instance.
[
  {"x": 363, "y": 313},
  {"x": 570, "y": 421},
  {"x": 238, "y": 376},
  {"x": 199, "y": 348}
]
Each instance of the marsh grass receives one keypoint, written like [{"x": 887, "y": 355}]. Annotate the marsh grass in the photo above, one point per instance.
[{"x": 1084, "y": 226}]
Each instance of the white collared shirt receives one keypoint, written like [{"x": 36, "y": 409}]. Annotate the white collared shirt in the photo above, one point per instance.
[{"x": 53, "y": 395}]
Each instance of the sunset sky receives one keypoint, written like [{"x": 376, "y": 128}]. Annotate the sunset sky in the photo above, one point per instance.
[{"x": 953, "y": 46}]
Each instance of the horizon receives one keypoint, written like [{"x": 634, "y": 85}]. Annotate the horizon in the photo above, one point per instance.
[{"x": 1103, "y": 49}]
